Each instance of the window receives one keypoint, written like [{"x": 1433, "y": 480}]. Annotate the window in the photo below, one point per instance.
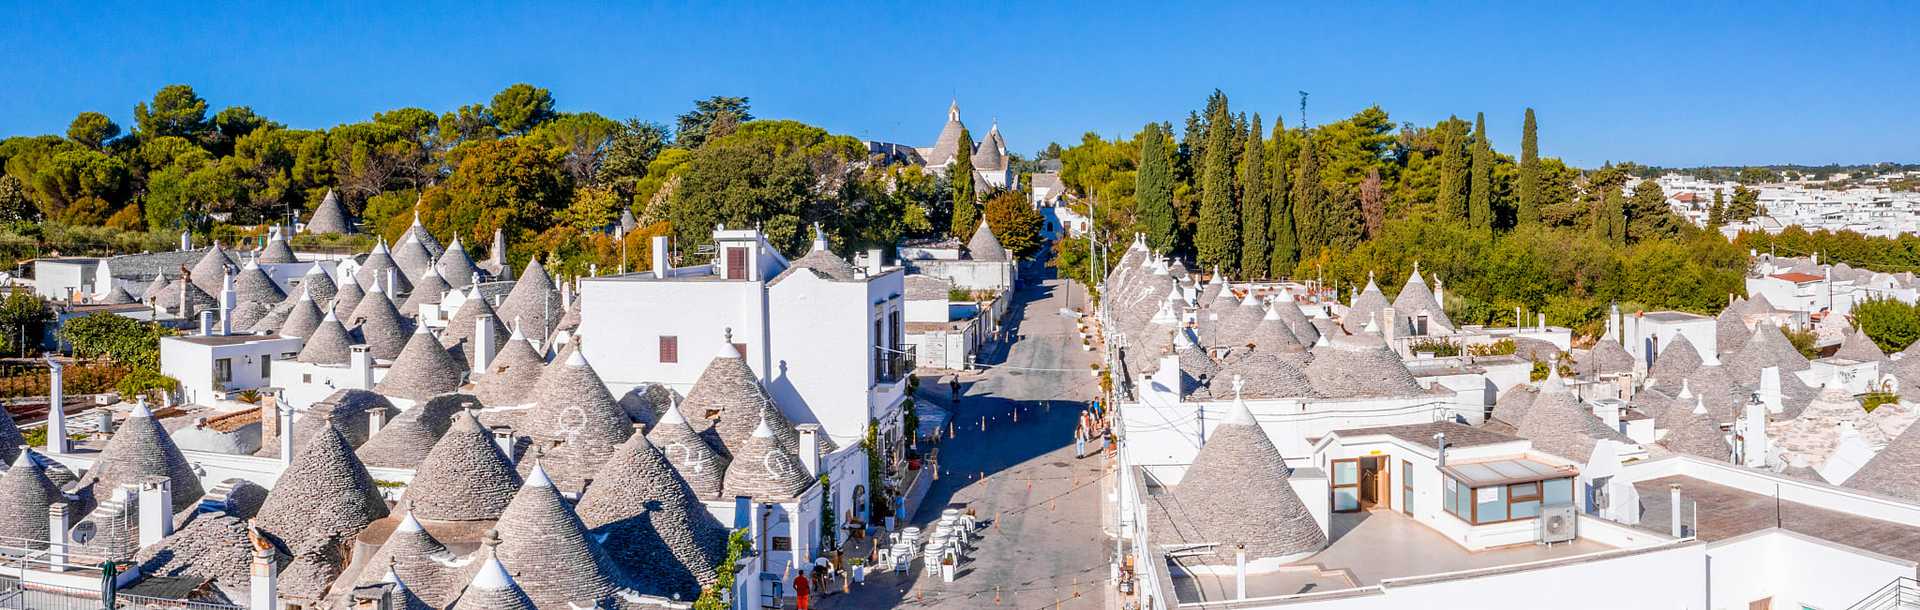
[
  {"x": 1406, "y": 487},
  {"x": 306, "y": 378},
  {"x": 1420, "y": 325},
  {"x": 736, "y": 263},
  {"x": 1509, "y": 502},
  {"x": 669, "y": 350},
  {"x": 223, "y": 370},
  {"x": 1346, "y": 485},
  {"x": 266, "y": 366}
]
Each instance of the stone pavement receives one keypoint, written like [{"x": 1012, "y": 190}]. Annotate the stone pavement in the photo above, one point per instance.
[{"x": 1041, "y": 545}]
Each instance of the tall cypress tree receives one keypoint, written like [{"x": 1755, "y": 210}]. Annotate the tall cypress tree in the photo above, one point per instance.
[
  {"x": 1610, "y": 218},
  {"x": 1453, "y": 169},
  {"x": 1286, "y": 244},
  {"x": 1254, "y": 247},
  {"x": 1217, "y": 241},
  {"x": 1717, "y": 214},
  {"x": 1308, "y": 224},
  {"x": 1530, "y": 203},
  {"x": 1153, "y": 189},
  {"x": 1480, "y": 195},
  {"x": 966, "y": 212}
]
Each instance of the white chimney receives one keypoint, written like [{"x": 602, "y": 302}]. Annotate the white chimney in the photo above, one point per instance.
[
  {"x": 156, "y": 509},
  {"x": 186, "y": 241},
  {"x": 1440, "y": 292},
  {"x": 285, "y": 415},
  {"x": 206, "y": 323},
  {"x": 504, "y": 439},
  {"x": 1673, "y": 502},
  {"x": 376, "y": 419},
  {"x": 393, "y": 293},
  {"x": 1753, "y": 434},
  {"x": 360, "y": 362},
  {"x": 875, "y": 261},
  {"x": 1770, "y": 389},
  {"x": 264, "y": 585},
  {"x": 660, "y": 268},
  {"x": 1240, "y": 572},
  {"x": 226, "y": 303},
  {"x": 810, "y": 447},
  {"x": 59, "y": 524},
  {"x": 56, "y": 407},
  {"x": 1543, "y": 323},
  {"x": 1440, "y": 441},
  {"x": 483, "y": 343}
]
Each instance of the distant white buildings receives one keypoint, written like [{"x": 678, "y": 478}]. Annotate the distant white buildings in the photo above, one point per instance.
[{"x": 1872, "y": 210}]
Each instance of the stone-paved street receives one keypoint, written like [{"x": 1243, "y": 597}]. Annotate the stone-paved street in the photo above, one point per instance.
[{"x": 1043, "y": 544}]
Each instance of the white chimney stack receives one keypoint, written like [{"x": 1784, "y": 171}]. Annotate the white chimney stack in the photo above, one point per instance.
[
  {"x": 376, "y": 419},
  {"x": 206, "y": 323},
  {"x": 59, "y": 524},
  {"x": 186, "y": 241},
  {"x": 1240, "y": 572},
  {"x": 56, "y": 407},
  {"x": 264, "y": 586},
  {"x": 810, "y": 447},
  {"x": 503, "y": 438},
  {"x": 483, "y": 343},
  {"x": 156, "y": 509},
  {"x": 1673, "y": 501},
  {"x": 360, "y": 362},
  {"x": 875, "y": 261},
  {"x": 1770, "y": 389},
  {"x": 1753, "y": 434},
  {"x": 660, "y": 268},
  {"x": 286, "y": 432}
]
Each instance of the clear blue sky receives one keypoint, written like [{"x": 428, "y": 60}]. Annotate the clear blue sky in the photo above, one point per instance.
[{"x": 1658, "y": 83}]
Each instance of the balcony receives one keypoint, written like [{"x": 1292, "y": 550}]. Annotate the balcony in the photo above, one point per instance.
[{"x": 892, "y": 365}]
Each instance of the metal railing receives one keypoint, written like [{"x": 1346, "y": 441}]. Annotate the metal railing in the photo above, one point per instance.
[
  {"x": 1903, "y": 592},
  {"x": 141, "y": 602},
  {"x": 15, "y": 595},
  {"x": 891, "y": 365}
]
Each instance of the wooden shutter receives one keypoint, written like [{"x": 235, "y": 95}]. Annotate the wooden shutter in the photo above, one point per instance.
[
  {"x": 736, "y": 263},
  {"x": 669, "y": 349}
]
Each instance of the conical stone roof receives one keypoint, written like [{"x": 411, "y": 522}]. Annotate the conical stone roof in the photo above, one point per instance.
[
  {"x": 277, "y": 251},
  {"x": 533, "y": 302},
  {"x": 1236, "y": 493},
  {"x": 319, "y": 285},
  {"x": 325, "y": 497},
  {"x": 493, "y": 589},
  {"x": 1895, "y": 470},
  {"x": 1858, "y": 346},
  {"x": 765, "y": 471},
  {"x": 1416, "y": 298},
  {"x": 1694, "y": 431},
  {"x": 1766, "y": 347},
  {"x": 1559, "y": 424},
  {"x": 544, "y": 542},
  {"x": 428, "y": 289},
  {"x": 652, "y": 524},
  {"x": 380, "y": 326},
  {"x": 303, "y": 317},
  {"x": 983, "y": 246},
  {"x": 729, "y": 390},
  {"x": 373, "y": 272},
  {"x": 1303, "y": 329},
  {"x": 140, "y": 448},
  {"x": 1263, "y": 375},
  {"x": 247, "y": 314},
  {"x": 423, "y": 370},
  {"x": 1357, "y": 367},
  {"x": 329, "y": 343},
  {"x": 412, "y": 555},
  {"x": 464, "y": 477},
  {"x": 347, "y": 298},
  {"x": 697, "y": 463},
  {"x": 1366, "y": 307},
  {"x": 572, "y": 404},
  {"x": 1235, "y": 324},
  {"x": 11, "y": 440},
  {"x": 1513, "y": 404},
  {"x": 1271, "y": 334},
  {"x": 330, "y": 217},
  {"x": 411, "y": 256},
  {"x": 211, "y": 270},
  {"x": 1730, "y": 330},
  {"x": 25, "y": 494},
  {"x": 455, "y": 266},
  {"x": 1607, "y": 357},
  {"x": 118, "y": 296},
  {"x": 1675, "y": 361},
  {"x": 512, "y": 376},
  {"x": 253, "y": 285},
  {"x": 461, "y": 327}
]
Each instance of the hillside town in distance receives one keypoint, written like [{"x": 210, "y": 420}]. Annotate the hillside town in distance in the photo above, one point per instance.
[{"x": 1251, "y": 354}]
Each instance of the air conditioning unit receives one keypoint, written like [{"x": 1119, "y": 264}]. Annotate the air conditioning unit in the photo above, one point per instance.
[{"x": 1556, "y": 524}]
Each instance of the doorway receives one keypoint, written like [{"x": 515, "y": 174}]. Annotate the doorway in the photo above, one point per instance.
[
  {"x": 1361, "y": 483},
  {"x": 1373, "y": 482}
]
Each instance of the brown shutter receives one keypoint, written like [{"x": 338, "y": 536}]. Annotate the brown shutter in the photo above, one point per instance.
[
  {"x": 736, "y": 263},
  {"x": 669, "y": 349}
]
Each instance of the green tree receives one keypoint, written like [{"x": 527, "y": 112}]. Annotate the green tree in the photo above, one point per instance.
[
  {"x": 1757, "y": 175},
  {"x": 1530, "y": 200},
  {"x": 1745, "y": 205},
  {"x": 711, "y": 118},
  {"x": 508, "y": 184},
  {"x": 743, "y": 182},
  {"x": 1893, "y": 325},
  {"x": 581, "y": 139},
  {"x": 107, "y": 335},
  {"x": 1480, "y": 188},
  {"x": 1285, "y": 241},
  {"x": 176, "y": 111},
  {"x": 22, "y": 315},
  {"x": 966, "y": 213},
  {"x": 1153, "y": 189},
  {"x": 1610, "y": 217},
  {"x": 1308, "y": 199},
  {"x": 521, "y": 107},
  {"x": 469, "y": 123},
  {"x": 1255, "y": 249},
  {"x": 636, "y": 144},
  {"x": 1014, "y": 221},
  {"x": 1454, "y": 168},
  {"x": 1217, "y": 241},
  {"x": 1717, "y": 213},
  {"x": 92, "y": 130},
  {"x": 1648, "y": 215}
]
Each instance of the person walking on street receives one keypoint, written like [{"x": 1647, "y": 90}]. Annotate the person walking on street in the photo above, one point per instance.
[
  {"x": 1079, "y": 441},
  {"x": 802, "y": 591},
  {"x": 953, "y": 390}
]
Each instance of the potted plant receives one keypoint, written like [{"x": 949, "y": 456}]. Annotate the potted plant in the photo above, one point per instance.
[
  {"x": 1094, "y": 369},
  {"x": 858, "y": 569}
]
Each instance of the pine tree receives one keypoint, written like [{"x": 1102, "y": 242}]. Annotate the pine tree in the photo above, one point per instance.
[
  {"x": 1480, "y": 195},
  {"x": 1717, "y": 213},
  {"x": 1306, "y": 198},
  {"x": 1530, "y": 203},
  {"x": 1609, "y": 220},
  {"x": 1453, "y": 169},
  {"x": 1286, "y": 244},
  {"x": 1218, "y": 239},
  {"x": 1745, "y": 205},
  {"x": 966, "y": 212},
  {"x": 1254, "y": 249},
  {"x": 1153, "y": 189},
  {"x": 1648, "y": 215}
]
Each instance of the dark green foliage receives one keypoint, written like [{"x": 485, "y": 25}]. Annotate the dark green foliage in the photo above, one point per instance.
[
  {"x": 966, "y": 211},
  {"x": 176, "y": 111},
  {"x": 1455, "y": 168},
  {"x": 1153, "y": 189},
  {"x": 1530, "y": 187},
  {"x": 122, "y": 339},
  {"x": 521, "y": 107},
  {"x": 1480, "y": 187},
  {"x": 1745, "y": 205},
  {"x": 1280, "y": 219},
  {"x": 1648, "y": 215},
  {"x": 711, "y": 118},
  {"x": 1014, "y": 221},
  {"x": 22, "y": 316},
  {"x": 1217, "y": 241},
  {"x": 1254, "y": 205},
  {"x": 635, "y": 145},
  {"x": 1717, "y": 213},
  {"x": 1308, "y": 201},
  {"x": 1893, "y": 325},
  {"x": 92, "y": 129}
]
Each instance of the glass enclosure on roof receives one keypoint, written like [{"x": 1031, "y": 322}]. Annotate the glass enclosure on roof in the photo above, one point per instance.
[{"x": 1498, "y": 491}]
